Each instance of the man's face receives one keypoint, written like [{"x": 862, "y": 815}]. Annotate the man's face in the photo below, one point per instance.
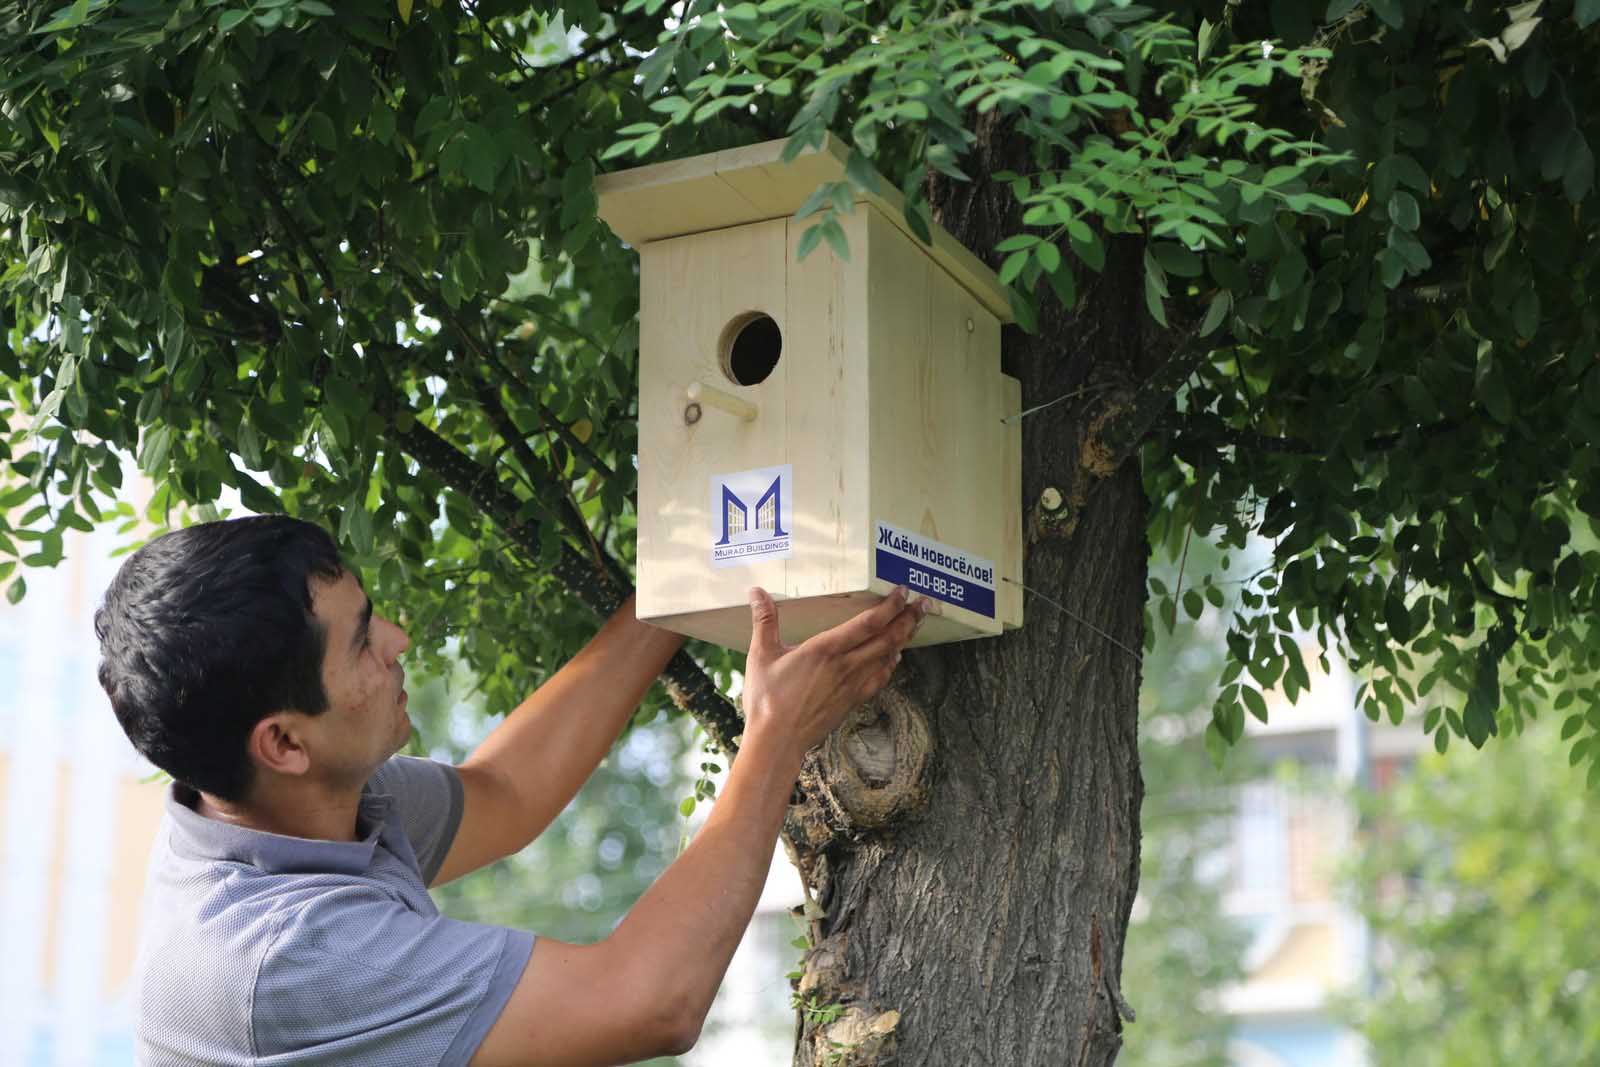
[{"x": 366, "y": 721}]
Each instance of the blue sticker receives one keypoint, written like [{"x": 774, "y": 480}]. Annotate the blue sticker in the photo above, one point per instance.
[{"x": 935, "y": 570}]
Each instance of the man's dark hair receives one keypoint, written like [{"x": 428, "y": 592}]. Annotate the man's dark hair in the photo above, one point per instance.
[{"x": 206, "y": 631}]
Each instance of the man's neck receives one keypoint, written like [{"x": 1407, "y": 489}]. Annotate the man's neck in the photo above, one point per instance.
[{"x": 292, "y": 810}]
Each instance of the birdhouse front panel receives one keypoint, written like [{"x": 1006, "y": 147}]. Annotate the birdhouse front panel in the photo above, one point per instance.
[
  {"x": 772, "y": 495},
  {"x": 826, "y": 428}
]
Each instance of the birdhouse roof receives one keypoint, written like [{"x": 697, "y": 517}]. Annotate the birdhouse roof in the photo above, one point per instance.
[{"x": 753, "y": 184}]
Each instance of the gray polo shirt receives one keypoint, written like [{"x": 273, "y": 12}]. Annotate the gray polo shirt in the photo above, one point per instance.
[{"x": 259, "y": 949}]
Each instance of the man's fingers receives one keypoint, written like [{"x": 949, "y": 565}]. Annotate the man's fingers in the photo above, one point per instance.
[
  {"x": 891, "y": 639},
  {"x": 764, "y": 641},
  {"x": 872, "y": 677},
  {"x": 852, "y": 632}
]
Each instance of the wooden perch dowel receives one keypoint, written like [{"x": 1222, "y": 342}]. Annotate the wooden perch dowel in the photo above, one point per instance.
[{"x": 712, "y": 397}]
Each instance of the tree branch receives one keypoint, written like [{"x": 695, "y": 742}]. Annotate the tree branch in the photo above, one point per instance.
[
  {"x": 566, "y": 510},
  {"x": 596, "y": 585},
  {"x": 548, "y": 418},
  {"x": 1121, "y": 426}
]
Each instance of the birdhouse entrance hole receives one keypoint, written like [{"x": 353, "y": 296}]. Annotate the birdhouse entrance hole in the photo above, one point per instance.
[{"x": 751, "y": 345}]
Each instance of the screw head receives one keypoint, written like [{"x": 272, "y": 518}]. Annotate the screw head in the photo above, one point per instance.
[
  {"x": 970, "y": 326},
  {"x": 1050, "y": 499},
  {"x": 691, "y": 414}
]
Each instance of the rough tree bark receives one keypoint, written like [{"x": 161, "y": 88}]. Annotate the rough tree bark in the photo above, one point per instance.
[{"x": 970, "y": 839}]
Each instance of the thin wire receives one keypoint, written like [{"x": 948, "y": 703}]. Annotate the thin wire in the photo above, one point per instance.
[
  {"x": 1081, "y": 391},
  {"x": 1073, "y": 614},
  {"x": 1018, "y": 417}
]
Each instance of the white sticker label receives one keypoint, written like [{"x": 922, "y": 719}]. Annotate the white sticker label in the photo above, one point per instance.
[
  {"x": 925, "y": 566},
  {"x": 751, "y": 517}
]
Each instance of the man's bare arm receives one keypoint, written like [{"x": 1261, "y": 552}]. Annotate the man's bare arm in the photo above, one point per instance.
[
  {"x": 645, "y": 990},
  {"x": 526, "y": 771}
]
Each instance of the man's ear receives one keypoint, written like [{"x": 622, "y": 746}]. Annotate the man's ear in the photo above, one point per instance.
[{"x": 278, "y": 744}]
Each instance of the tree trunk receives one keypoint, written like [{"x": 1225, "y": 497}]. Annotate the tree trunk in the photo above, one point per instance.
[{"x": 970, "y": 839}]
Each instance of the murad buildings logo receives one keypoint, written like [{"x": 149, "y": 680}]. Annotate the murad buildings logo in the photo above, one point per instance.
[{"x": 750, "y": 516}]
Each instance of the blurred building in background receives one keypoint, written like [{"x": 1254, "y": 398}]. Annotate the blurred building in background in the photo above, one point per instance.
[
  {"x": 1294, "y": 829},
  {"x": 77, "y": 818}
]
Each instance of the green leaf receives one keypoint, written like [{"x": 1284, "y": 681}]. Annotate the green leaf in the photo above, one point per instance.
[
  {"x": 1176, "y": 259},
  {"x": 321, "y": 130},
  {"x": 858, "y": 168},
  {"x": 1204, "y": 40},
  {"x": 1216, "y": 745},
  {"x": 230, "y": 20},
  {"x": 1254, "y": 701},
  {"x": 1091, "y": 251},
  {"x": 1025, "y": 310},
  {"x": 686, "y": 807},
  {"x": 1017, "y": 242},
  {"x": 834, "y": 234},
  {"x": 1391, "y": 12},
  {"x": 17, "y": 590},
  {"x": 1403, "y": 210},
  {"x": 1478, "y": 720},
  {"x": 1417, "y": 398},
  {"x": 358, "y": 527},
  {"x": 1216, "y": 312},
  {"x": 1280, "y": 175},
  {"x": 1577, "y": 180},
  {"x": 67, "y": 19},
  {"x": 1525, "y": 312},
  {"x": 1154, "y": 291},
  {"x": 1013, "y": 266},
  {"x": 809, "y": 241},
  {"x": 1586, "y": 13},
  {"x": 153, "y": 453},
  {"x": 1065, "y": 285}
]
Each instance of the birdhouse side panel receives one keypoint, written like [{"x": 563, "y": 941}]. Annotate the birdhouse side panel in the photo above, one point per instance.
[
  {"x": 699, "y": 550},
  {"x": 826, "y": 345},
  {"x": 937, "y": 443},
  {"x": 1009, "y": 563}
]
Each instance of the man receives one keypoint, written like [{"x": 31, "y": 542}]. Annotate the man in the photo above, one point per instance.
[{"x": 287, "y": 915}]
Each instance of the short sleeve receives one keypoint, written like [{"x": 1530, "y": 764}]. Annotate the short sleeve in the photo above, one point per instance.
[
  {"x": 354, "y": 976},
  {"x": 428, "y": 802}
]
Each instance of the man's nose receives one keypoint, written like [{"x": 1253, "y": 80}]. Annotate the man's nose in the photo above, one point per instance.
[{"x": 397, "y": 641}]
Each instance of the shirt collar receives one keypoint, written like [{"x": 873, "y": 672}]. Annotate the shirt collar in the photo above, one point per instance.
[{"x": 210, "y": 839}]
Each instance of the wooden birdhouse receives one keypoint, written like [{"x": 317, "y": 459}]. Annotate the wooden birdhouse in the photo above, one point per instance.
[{"x": 825, "y": 428}]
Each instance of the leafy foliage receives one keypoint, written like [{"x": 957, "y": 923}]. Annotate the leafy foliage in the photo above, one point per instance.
[
  {"x": 1108, "y": 162},
  {"x": 349, "y": 266},
  {"x": 1404, "y": 399},
  {"x": 252, "y": 246}
]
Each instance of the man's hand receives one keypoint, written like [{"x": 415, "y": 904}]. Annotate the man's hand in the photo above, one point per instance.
[
  {"x": 645, "y": 990},
  {"x": 796, "y": 694}
]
